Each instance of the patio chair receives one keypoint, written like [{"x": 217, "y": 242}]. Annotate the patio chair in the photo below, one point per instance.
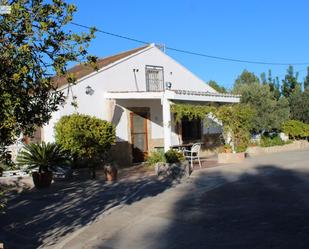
[{"x": 193, "y": 154}]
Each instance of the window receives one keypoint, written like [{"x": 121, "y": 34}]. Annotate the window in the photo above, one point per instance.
[
  {"x": 191, "y": 130},
  {"x": 154, "y": 78}
]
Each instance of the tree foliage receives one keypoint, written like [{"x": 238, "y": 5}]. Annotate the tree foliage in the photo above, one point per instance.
[
  {"x": 237, "y": 121},
  {"x": 299, "y": 104},
  {"x": 306, "y": 81},
  {"x": 35, "y": 46},
  {"x": 296, "y": 129},
  {"x": 270, "y": 112},
  {"x": 273, "y": 84},
  {"x": 290, "y": 82},
  {"x": 216, "y": 86},
  {"x": 245, "y": 78}
]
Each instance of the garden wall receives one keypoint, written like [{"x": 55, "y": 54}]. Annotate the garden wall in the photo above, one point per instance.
[{"x": 296, "y": 145}]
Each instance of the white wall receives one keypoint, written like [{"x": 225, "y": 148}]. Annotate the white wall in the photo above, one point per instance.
[{"x": 120, "y": 77}]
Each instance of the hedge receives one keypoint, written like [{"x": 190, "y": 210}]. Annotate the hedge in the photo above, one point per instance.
[{"x": 296, "y": 129}]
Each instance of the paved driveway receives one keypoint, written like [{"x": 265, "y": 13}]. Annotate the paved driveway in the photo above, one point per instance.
[
  {"x": 40, "y": 218},
  {"x": 263, "y": 203}
]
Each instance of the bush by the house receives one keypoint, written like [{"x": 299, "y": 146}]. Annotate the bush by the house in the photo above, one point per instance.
[
  {"x": 296, "y": 129},
  {"x": 268, "y": 141},
  {"x": 156, "y": 157},
  {"x": 86, "y": 137},
  {"x": 171, "y": 156},
  {"x": 174, "y": 156}
]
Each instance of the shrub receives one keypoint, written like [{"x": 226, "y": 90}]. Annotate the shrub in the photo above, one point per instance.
[
  {"x": 174, "y": 156},
  {"x": 85, "y": 137},
  {"x": 296, "y": 129},
  {"x": 268, "y": 141},
  {"x": 171, "y": 156},
  {"x": 155, "y": 157}
]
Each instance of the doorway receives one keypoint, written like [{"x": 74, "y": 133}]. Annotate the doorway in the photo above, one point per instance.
[{"x": 139, "y": 135}]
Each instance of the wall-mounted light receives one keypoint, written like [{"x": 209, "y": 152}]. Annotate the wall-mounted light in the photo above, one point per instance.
[
  {"x": 168, "y": 85},
  {"x": 89, "y": 90}
]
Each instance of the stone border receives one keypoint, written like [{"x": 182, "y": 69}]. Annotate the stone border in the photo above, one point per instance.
[{"x": 296, "y": 145}]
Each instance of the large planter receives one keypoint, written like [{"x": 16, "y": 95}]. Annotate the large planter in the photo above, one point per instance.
[
  {"x": 110, "y": 172},
  {"x": 42, "y": 180},
  {"x": 231, "y": 157},
  {"x": 173, "y": 170}
]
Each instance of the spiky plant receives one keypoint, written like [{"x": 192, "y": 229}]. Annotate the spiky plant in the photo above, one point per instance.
[{"x": 42, "y": 156}]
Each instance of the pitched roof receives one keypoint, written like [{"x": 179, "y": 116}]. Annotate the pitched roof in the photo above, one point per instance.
[{"x": 80, "y": 71}]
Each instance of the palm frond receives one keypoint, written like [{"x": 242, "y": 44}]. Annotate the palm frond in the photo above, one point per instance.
[{"x": 42, "y": 156}]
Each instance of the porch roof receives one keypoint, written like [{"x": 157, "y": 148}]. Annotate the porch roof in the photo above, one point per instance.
[{"x": 180, "y": 95}]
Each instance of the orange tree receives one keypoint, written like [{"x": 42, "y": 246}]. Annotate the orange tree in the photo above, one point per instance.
[{"x": 35, "y": 46}]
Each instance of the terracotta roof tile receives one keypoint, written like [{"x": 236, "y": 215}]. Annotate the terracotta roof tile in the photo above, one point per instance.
[{"x": 81, "y": 70}]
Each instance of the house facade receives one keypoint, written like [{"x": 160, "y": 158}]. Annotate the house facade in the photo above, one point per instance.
[{"x": 135, "y": 90}]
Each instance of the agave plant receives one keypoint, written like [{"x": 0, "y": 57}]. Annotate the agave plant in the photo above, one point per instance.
[{"x": 42, "y": 156}]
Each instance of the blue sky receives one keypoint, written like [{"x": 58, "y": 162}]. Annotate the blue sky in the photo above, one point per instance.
[{"x": 275, "y": 31}]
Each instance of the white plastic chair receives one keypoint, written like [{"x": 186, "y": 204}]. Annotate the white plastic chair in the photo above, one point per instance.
[{"x": 193, "y": 154}]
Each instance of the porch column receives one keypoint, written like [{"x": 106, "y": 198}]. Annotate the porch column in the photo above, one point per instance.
[{"x": 166, "y": 106}]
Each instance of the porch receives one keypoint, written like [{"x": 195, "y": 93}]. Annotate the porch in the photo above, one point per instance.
[{"x": 146, "y": 121}]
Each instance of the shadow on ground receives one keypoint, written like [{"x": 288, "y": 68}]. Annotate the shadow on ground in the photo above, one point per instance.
[
  {"x": 265, "y": 208},
  {"x": 40, "y": 217}
]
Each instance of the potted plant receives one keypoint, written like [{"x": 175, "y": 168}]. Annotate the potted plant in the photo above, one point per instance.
[
  {"x": 227, "y": 148},
  {"x": 39, "y": 158},
  {"x": 110, "y": 172}
]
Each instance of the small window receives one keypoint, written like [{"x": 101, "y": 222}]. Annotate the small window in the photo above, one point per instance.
[
  {"x": 191, "y": 129},
  {"x": 154, "y": 78}
]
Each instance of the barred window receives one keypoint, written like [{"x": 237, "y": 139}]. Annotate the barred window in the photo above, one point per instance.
[{"x": 154, "y": 78}]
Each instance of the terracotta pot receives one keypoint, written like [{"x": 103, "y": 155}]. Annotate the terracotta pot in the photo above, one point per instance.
[
  {"x": 42, "y": 180},
  {"x": 111, "y": 173},
  {"x": 227, "y": 150}
]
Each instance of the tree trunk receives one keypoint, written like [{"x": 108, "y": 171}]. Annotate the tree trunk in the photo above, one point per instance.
[{"x": 93, "y": 172}]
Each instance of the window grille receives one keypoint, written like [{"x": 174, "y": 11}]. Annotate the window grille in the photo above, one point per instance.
[{"x": 154, "y": 78}]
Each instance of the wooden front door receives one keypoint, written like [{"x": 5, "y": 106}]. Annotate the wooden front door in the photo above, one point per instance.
[{"x": 139, "y": 136}]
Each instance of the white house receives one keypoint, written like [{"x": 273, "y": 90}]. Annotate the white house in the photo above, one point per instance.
[{"x": 134, "y": 90}]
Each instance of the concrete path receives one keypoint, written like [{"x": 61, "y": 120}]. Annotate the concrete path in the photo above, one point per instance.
[
  {"x": 40, "y": 218},
  {"x": 262, "y": 203}
]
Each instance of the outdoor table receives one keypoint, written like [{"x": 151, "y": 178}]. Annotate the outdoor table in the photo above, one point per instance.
[{"x": 182, "y": 147}]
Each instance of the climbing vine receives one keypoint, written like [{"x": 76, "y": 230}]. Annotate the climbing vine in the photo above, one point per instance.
[
  {"x": 236, "y": 120},
  {"x": 191, "y": 111}
]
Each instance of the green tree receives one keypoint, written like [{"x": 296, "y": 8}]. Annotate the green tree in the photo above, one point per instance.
[
  {"x": 245, "y": 78},
  {"x": 35, "y": 46},
  {"x": 216, "y": 86},
  {"x": 290, "y": 82},
  {"x": 299, "y": 104},
  {"x": 306, "y": 81},
  {"x": 272, "y": 82},
  {"x": 270, "y": 112}
]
